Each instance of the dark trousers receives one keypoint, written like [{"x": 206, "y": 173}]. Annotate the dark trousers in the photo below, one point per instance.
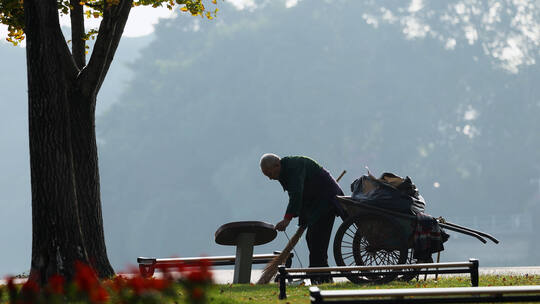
[{"x": 318, "y": 238}]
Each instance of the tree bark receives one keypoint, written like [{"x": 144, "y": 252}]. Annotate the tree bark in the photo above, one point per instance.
[
  {"x": 86, "y": 168},
  {"x": 78, "y": 49},
  {"x": 83, "y": 107},
  {"x": 85, "y": 153},
  {"x": 67, "y": 223},
  {"x": 57, "y": 240}
]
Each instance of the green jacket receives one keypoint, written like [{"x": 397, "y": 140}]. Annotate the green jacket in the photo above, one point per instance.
[{"x": 310, "y": 187}]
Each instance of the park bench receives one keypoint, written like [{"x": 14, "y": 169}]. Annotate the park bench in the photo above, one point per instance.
[
  {"x": 148, "y": 265},
  {"x": 244, "y": 235},
  {"x": 284, "y": 273},
  {"x": 490, "y": 294}
]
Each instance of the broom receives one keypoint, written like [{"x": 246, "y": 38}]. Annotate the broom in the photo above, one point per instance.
[{"x": 271, "y": 268}]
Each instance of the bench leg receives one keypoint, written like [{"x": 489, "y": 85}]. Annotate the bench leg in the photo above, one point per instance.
[
  {"x": 315, "y": 295},
  {"x": 282, "y": 282},
  {"x": 244, "y": 258},
  {"x": 146, "y": 271},
  {"x": 474, "y": 272}
]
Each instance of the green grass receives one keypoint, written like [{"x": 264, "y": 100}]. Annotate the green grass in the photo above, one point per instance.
[
  {"x": 243, "y": 293},
  {"x": 249, "y": 293}
]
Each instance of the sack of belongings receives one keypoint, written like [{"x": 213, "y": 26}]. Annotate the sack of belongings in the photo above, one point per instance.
[{"x": 390, "y": 192}]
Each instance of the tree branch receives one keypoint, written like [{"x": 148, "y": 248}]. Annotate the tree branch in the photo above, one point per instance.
[
  {"x": 110, "y": 32},
  {"x": 63, "y": 52},
  {"x": 78, "y": 48},
  {"x": 44, "y": 24},
  {"x": 115, "y": 42}
]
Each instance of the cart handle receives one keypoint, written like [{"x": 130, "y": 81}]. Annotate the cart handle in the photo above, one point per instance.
[
  {"x": 493, "y": 239},
  {"x": 451, "y": 227},
  {"x": 467, "y": 232}
]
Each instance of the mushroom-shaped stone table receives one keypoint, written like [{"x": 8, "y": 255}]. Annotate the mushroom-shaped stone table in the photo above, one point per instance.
[{"x": 244, "y": 235}]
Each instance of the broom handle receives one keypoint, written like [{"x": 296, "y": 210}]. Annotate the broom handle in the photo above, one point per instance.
[{"x": 341, "y": 175}]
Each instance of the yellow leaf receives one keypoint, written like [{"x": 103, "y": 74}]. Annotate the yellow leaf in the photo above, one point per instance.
[
  {"x": 183, "y": 9},
  {"x": 214, "y": 1}
]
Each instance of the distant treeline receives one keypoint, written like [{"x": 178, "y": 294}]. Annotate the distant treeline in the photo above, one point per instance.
[{"x": 179, "y": 153}]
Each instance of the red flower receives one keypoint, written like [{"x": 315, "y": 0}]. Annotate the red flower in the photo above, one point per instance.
[
  {"x": 199, "y": 271},
  {"x": 157, "y": 284},
  {"x": 56, "y": 284},
  {"x": 118, "y": 283},
  {"x": 195, "y": 275},
  {"x": 99, "y": 295},
  {"x": 137, "y": 284},
  {"x": 30, "y": 288},
  {"x": 11, "y": 284},
  {"x": 30, "y": 292},
  {"x": 12, "y": 290},
  {"x": 85, "y": 277},
  {"x": 197, "y": 293}
]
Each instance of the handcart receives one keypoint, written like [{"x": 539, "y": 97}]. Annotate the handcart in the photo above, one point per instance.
[{"x": 371, "y": 235}]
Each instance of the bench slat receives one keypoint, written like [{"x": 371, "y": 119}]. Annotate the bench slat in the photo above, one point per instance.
[
  {"x": 212, "y": 258},
  {"x": 450, "y": 291},
  {"x": 381, "y": 267}
]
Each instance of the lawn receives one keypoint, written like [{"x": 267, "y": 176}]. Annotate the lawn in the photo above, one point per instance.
[{"x": 137, "y": 290}]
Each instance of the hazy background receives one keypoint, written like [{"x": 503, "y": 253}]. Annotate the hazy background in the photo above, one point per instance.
[{"x": 446, "y": 93}]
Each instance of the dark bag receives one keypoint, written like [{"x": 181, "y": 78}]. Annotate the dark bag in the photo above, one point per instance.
[{"x": 390, "y": 192}]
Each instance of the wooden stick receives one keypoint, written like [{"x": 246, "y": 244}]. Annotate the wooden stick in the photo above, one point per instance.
[
  {"x": 271, "y": 269},
  {"x": 341, "y": 175}
]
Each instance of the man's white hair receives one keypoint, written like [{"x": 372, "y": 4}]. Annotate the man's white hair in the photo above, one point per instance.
[{"x": 269, "y": 160}]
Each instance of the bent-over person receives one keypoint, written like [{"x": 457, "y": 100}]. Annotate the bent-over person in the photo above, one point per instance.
[{"x": 312, "y": 198}]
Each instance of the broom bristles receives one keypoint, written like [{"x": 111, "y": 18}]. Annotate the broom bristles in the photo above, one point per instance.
[{"x": 271, "y": 268}]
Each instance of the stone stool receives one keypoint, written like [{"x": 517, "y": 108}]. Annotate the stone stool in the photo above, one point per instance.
[{"x": 244, "y": 235}]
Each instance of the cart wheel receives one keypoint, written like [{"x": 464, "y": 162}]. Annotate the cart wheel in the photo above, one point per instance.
[
  {"x": 410, "y": 260},
  {"x": 368, "y": 240},
  {"x": 343, "y": 244}
]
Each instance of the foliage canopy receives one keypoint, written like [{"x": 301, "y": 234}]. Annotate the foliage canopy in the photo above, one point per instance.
[{"x": 12, "y": 12}]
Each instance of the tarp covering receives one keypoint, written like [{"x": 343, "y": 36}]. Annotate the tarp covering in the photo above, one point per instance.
[{"x": 390, "y": 192}]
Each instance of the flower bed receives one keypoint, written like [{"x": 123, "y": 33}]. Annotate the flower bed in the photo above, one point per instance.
[{"x": 194, "y": 279}]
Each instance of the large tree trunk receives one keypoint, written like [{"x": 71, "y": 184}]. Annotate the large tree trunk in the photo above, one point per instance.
[
  {"x": 57, "y": 240},
  {"x": 67, "y": 224}
]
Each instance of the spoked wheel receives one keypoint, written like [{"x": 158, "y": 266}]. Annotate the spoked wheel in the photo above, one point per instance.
[
  {"x": 410, "y": 260},
  {"x": 369, "y": 240}
]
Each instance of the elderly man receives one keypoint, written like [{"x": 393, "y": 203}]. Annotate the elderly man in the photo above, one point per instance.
[{"x": 312, "y": 198}]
